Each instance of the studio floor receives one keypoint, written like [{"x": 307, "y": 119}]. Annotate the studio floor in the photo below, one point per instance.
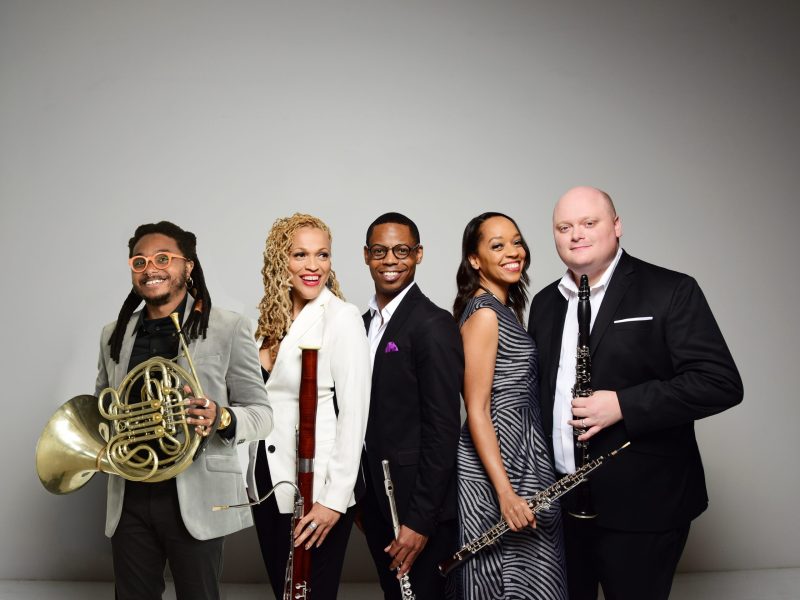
[{"x": 768, "y": 584}]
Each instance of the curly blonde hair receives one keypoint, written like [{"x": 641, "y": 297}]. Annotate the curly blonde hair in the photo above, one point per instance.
[{"x": 275, "y": 308}]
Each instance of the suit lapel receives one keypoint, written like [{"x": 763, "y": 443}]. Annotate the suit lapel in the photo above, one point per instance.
[
  {"x": 400, "y": 316},
  {"x": 306, "y": 330},
  {"x": 121, "y": 367},
  {"x": 367, "y": 317},
  {"x": 620, "y": 281}
]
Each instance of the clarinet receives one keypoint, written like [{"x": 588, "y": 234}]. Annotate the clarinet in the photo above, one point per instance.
[
  {"x": 539, "y": 502},
  {"x": 405, "y": 581},
  {"x": 297, "y": 584},
  {"x": 583, "y": 505}
]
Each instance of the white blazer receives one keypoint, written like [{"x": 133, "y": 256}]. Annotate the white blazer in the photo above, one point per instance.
[{"x": 343, "y": 363}]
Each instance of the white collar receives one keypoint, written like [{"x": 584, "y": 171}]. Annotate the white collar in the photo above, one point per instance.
[
  {"x": 568, "y": 287},
  {"x": 389, "y": 309}
]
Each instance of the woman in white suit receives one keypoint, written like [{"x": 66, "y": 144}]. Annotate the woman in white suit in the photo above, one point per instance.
[{"x": 303, "y": 307}]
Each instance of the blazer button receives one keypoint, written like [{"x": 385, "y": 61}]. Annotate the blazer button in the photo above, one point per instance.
[{"x": 271, "y": 449}]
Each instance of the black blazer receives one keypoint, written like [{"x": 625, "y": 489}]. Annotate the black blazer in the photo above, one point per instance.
[
  {"x": 415, "y": 412},
  {"x": 667, "y": 371}
]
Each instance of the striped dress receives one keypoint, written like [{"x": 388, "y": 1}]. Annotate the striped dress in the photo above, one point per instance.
[{"x": 520, "y": 565}]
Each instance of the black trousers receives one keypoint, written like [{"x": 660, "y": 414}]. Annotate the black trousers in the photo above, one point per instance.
[
  {"x": 628, "y": 565},
  {"x": 273, "y": 528},
  {"x": 426, "y": 582},
  {"x": 150, "y": 533}
]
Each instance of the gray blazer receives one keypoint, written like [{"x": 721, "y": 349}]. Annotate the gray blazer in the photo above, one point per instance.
[{"x": 229, "y": 372}]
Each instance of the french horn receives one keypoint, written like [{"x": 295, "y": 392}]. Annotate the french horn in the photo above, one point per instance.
[{"x": 144, "y": 438}]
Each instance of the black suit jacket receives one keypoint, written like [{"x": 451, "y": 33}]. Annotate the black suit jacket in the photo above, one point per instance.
[
  {"x": 415, "y": 412},
  {"x": 667, "y": 371}
]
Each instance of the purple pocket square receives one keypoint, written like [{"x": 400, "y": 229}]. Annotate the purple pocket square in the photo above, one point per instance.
[{"x": 391, "y": 347}]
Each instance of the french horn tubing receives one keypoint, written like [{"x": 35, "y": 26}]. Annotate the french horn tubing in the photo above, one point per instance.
[{"x": 144, "y": 438}]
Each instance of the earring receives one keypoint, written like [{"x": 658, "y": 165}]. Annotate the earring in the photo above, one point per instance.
[{"x": 189, "y": 282}]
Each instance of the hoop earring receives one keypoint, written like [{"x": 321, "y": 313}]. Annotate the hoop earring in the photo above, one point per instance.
[{"x": 189, "y": 282}]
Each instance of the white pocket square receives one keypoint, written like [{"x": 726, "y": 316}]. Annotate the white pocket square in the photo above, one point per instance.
[{"x": 628, "y": 320}]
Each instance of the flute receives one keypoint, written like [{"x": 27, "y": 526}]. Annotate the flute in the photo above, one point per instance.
[{"x": 405, "y": 581}]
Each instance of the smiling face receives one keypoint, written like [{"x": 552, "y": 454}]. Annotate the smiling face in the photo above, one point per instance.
[
  {"x": 161, "y": 289},
  {"x": 587, "y": 231},
  {"x": 309, "y": 265},
  {"x": 391, "y": 274},
  {"x": 500, "y": 255}
]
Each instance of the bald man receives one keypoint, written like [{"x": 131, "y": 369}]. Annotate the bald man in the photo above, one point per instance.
[{"x": 658, "y": 363}]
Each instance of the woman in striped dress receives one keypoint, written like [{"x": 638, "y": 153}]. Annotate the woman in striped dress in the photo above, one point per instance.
[{"x": 502, "y": 455}]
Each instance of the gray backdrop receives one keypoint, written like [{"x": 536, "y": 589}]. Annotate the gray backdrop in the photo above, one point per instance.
[{"x": 223, "y": 116}]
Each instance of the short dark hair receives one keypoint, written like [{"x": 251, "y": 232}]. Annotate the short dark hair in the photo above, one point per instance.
[
  {"x": 197, "y": 322},
  {"x": 397, "y": 218}
]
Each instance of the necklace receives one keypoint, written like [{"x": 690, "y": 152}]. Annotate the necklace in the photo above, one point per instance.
[{"x": 492, "y": 294}]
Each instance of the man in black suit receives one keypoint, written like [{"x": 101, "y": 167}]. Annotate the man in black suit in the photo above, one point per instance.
[
  {"x": 414, "y": 415},
  {"x": 658, "y": 363}
]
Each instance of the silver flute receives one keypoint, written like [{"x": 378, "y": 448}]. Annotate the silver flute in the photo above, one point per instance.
[
  {"x": 405, "y": 581},
  {"x": 539, "y": 502}
]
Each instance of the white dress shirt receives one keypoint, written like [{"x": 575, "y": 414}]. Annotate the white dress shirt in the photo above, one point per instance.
[
  {"x": 380, "y": 319},
  {"x": 563, "y": 444}
]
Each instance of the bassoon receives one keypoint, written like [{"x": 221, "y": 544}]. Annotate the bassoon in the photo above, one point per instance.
[
  {"x": 297, "y": 584},
  {"x": 582, "y": 507}
]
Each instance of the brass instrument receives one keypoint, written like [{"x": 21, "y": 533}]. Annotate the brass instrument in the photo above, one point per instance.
[
  {"x": 539, "y": 502},
  {"x": 405, "y": 581},
  {"x": 583, "y": 507},
  {"x": 138, "y": 439}
]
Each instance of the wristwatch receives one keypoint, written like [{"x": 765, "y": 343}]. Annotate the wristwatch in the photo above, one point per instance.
[{"x": 224, "y": 418}]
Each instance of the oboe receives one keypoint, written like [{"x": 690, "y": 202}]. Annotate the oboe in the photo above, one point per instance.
[
  {"x": 405, "y": 581},
  {"x": 583, "y": 506},
  {"x": 539, "y": 502}
]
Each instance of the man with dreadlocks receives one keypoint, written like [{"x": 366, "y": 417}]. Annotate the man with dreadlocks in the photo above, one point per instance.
[{"x": 152, "y": 523}]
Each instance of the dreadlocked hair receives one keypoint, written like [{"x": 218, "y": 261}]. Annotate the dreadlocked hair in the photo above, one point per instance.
[
  {"x": 275, "y": 308},
  {"x": 197, "y": 322}
]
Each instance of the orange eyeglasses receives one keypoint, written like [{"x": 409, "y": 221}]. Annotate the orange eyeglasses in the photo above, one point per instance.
[{"x": 160, "y": 260}]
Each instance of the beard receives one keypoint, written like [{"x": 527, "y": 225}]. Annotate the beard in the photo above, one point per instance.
[{"x": 176, "y": 286}]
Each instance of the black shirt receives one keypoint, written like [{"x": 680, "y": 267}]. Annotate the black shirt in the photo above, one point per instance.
[{"x": 159, "y": 338}]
